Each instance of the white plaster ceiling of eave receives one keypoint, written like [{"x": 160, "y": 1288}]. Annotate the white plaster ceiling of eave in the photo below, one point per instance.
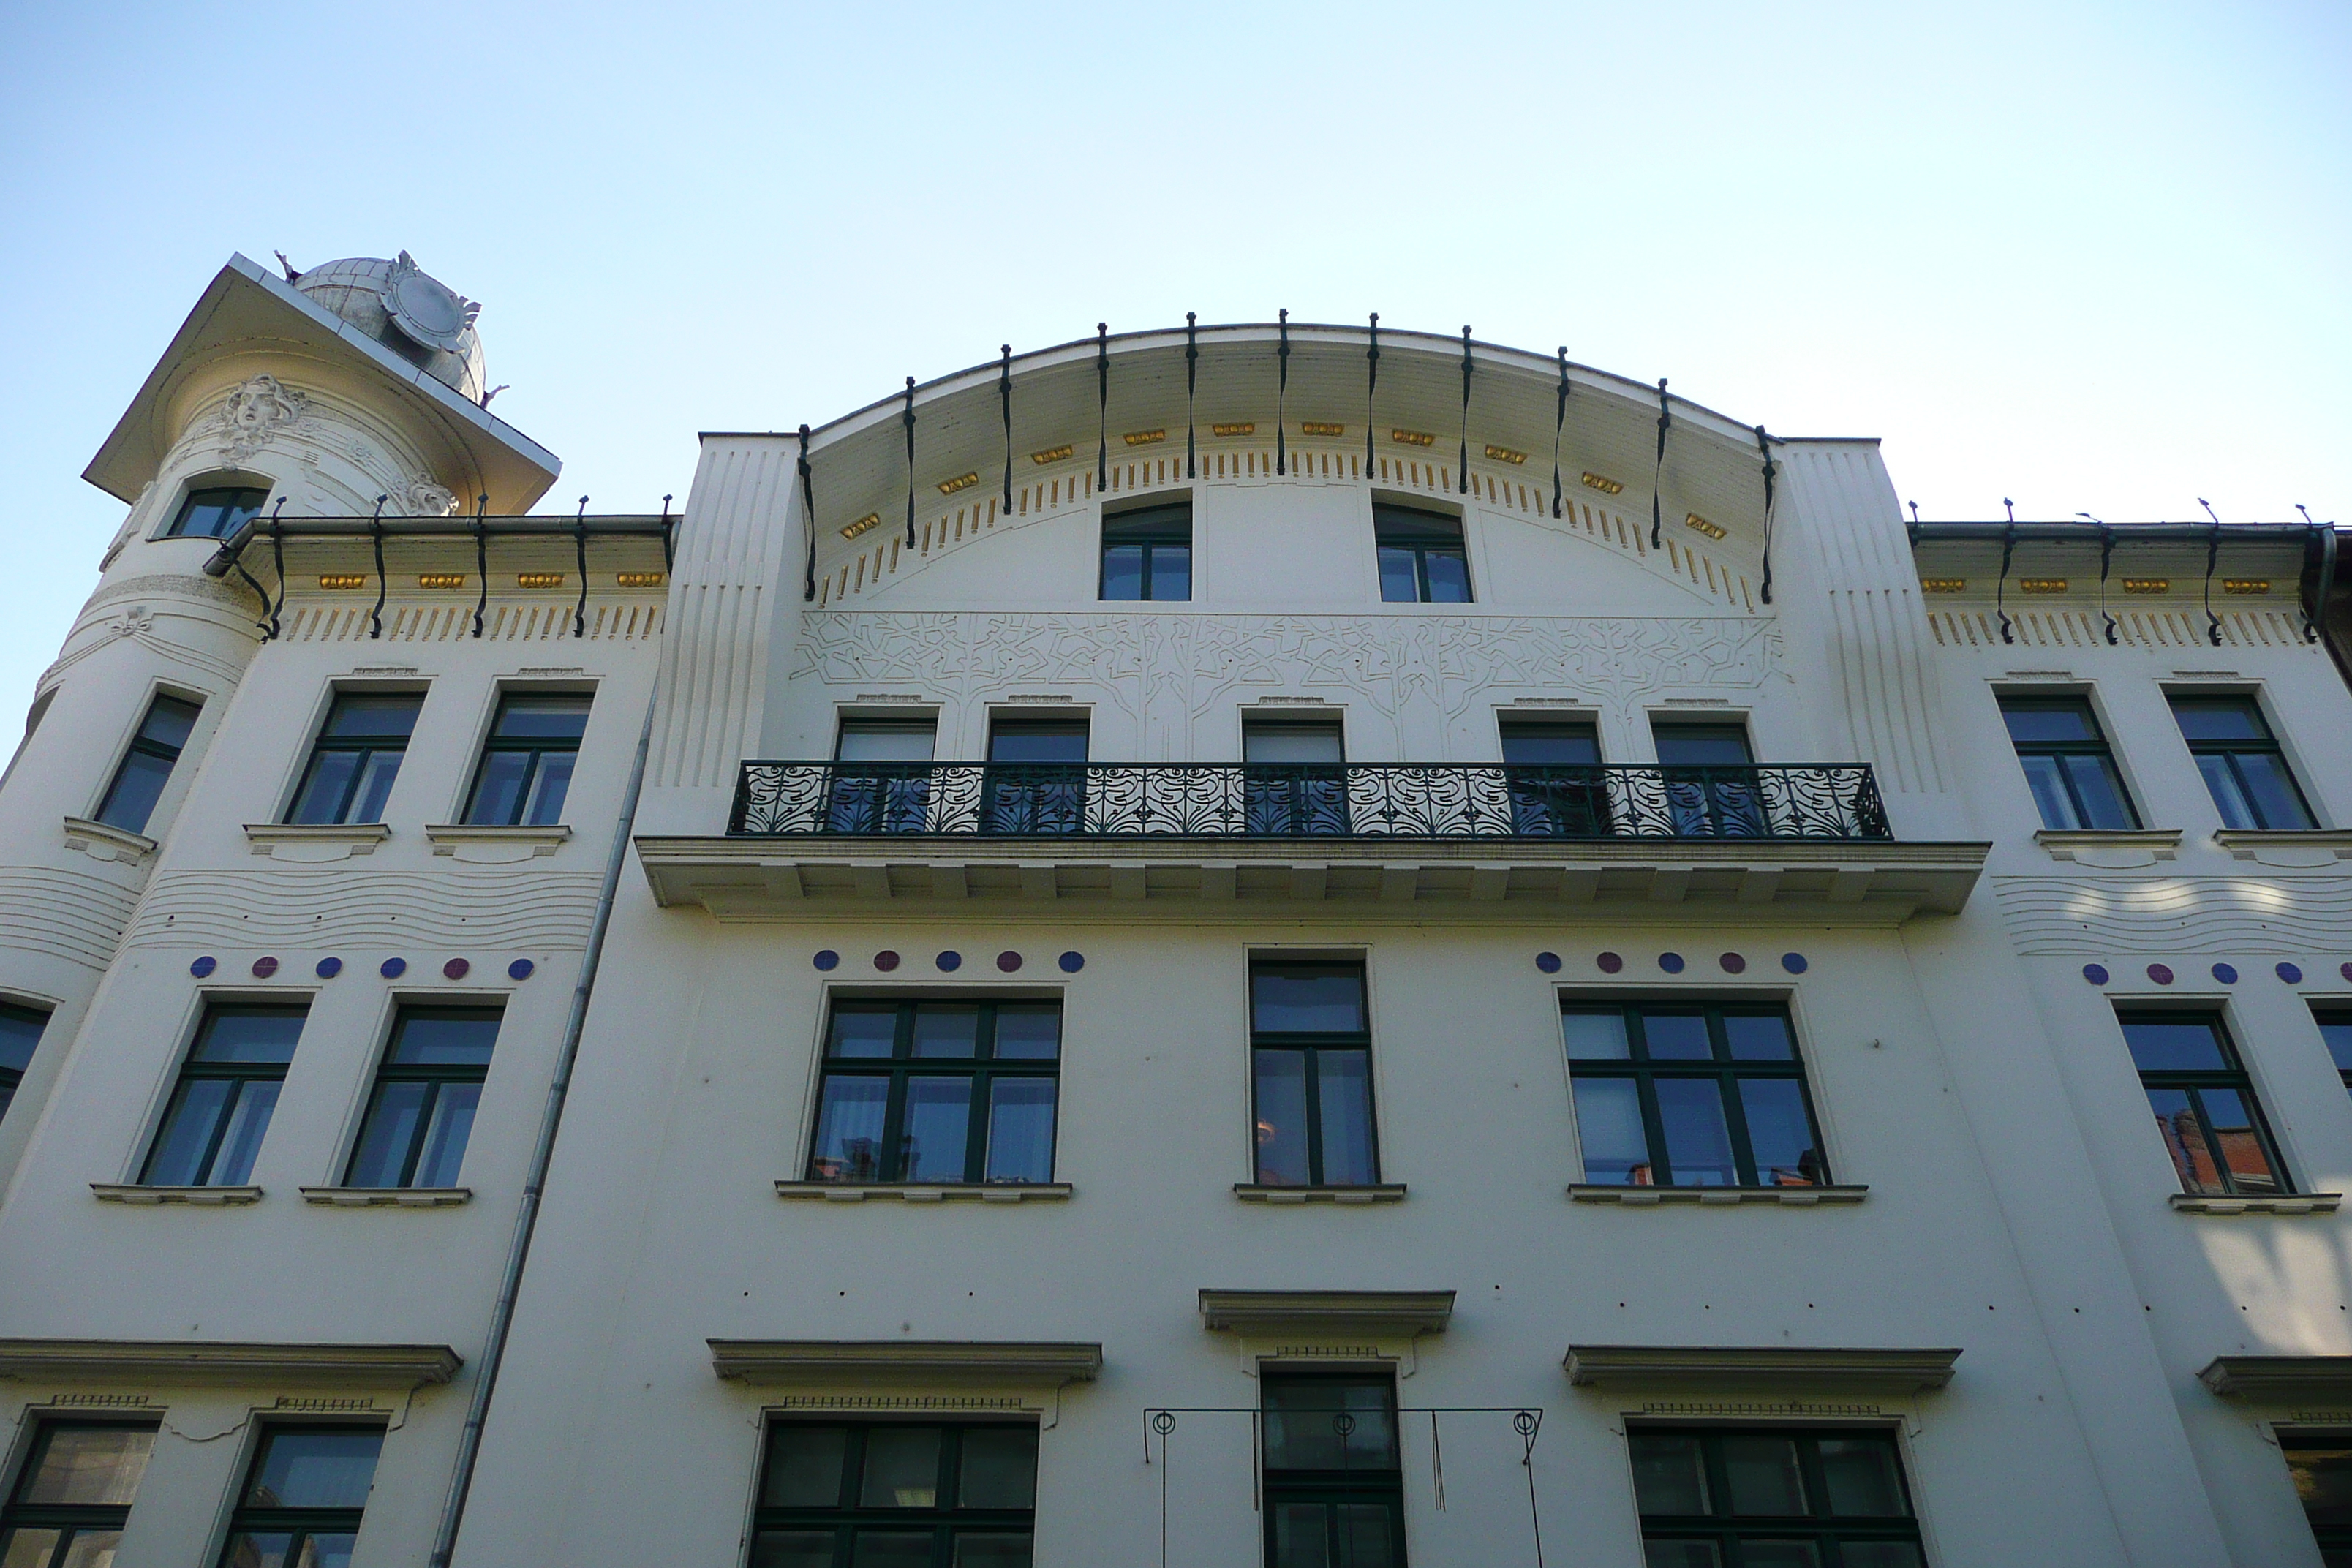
[{"x": 2180, "y": 560}]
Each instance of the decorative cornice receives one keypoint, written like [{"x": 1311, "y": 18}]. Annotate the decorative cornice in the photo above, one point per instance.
[
  {"x": 2264, "y": 1203},
  {"x": 2280, "y": 1378},
  {"x": 2115, "y": 849},
  {"x": 229, "y": 1361},
  {"x": 1780, "y": 1365},
  {"x": 101, "y": 842},
  {"x": 200, "y": 1197},
  {"x": 933, "y": 1362},
  {"x": 2306, "y": 847},
  {"x": 387, "y": 1197},
  {"x": 1256, "y": 1193},
  {"x": 1710, "y": 1197},
  {"x": 1349, "y": 1311}
]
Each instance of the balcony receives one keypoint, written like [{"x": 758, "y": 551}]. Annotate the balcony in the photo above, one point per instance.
[{"x": 1382, "y": 841}]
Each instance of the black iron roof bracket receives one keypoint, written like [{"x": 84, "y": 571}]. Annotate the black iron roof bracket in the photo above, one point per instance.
[
  {"x": 580, "y": 539},
  {"x": 382, "y": 584},
  {"x": 2001, "y": 589},
  {"x": 277, "y": 560},
  {"x": 481, "y": 562},
  {"x": 2107, "y": 557}
]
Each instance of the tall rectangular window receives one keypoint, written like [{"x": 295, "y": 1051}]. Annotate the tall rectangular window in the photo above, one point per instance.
[
  {"x": 1147, "y": 554},
  {"x": 2335, "y": 1029},
  {"x": 146, "y": 767},
  {"x": 527, "y": 760},
  {"x": 303, "y": 1498},
  {"x": 356, "y": 757},
  {"x": 20, "y": 1031},
  {"x": 2321, "y": 1463},
  {"x": 1422, "y": 560},
  {"x": 1552, "y": 769},
  {"x": 1311, "y": 1072},
  {"x": 1334, "y": 1480},
  {"x": 426, "y": 1095},
  {"x": 1296, "y": 779},
  {"x": 217, "y": 513},
  {"x": 882, "y": 778},
  {"x": 2204, "y": 1103},
  {"x": 1715, "y": 1496},
  {"x": 227, "y": 1089},
  {"x": 2067, "y": 763},
  {"x": 2244, "y": 771},
  {"x": 1709, "y": 778},
  {"x": 897, "y": 1495},
  {"x": 1036, "y": 778},
  {"x": 69, "y": 1507},
  {"x": 1686, "y": 1095},
  {"x": 946, "y": 1092}
]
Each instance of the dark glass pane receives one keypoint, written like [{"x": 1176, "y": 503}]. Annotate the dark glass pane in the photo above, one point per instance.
[
  {"x": 1399, "y": 525},
  {"x": 1862, "y": 1477},
  {"x": 1608, "y": 1126},
  {"x": 249, "y": 1123},
  {"x": 324, "y": 788},
  {"x": 1551, "y": 745},
  {"x": 258, "y": 1549},
  {"x": 2045, "y": 776},
  {"x": 188, "y": 1128},
  {"x": 1301, "y": 1536},
  {"x": 794, "y": 1549},
  {"x": 1669, "y": 1473},
  {"x": 1281, "y": 1117},
  {"x": 2175, "y": 1044},
  {"x": 902, "y": 1469},
  {"x": 1058, "y": 743},
  {"x": 1329, "y": 1424},
  {"x": 999, "y": 1467},
  {"x": 76, "y": 1466},
  {"x": 1171, "y": 572},
  {"x": 938, "y": 1127},
  {"x": 1344, "y": 1091},
  {"x": 303, "y": 1469},
  {"x": 451, "y": 1037},
  {"x": 1020, "y": 1129},
  {"x": 1880, "y": 1554},
  {"x": 138, "y": 784},
  {"x": 443, "y": 1151},
  {"x": 1327, "y": 999},
  {"x": 2184, "y": 1140},
  {"x": 1596, "y": 1036},
  {"x": 2219, "y": 719},
  {"x": 992, "y": 1549},
  {"x": 551, "y": 781},
  {"x": 867, "y": 741},
  {"x": 2271, "y": 790},
  {"x": 891, "y": 1549},
  {"x": 249, "y": 1035},
  {"x": 1781, "y": 1134},
  {"x": 1677, "y": 1037},
  {"x": 169, "y": 719},
  {"x": 2235, "y": 1126},
  {"x": 864, "y": 1031},
  {"x": 1758, "y": 1038},
  {"x": 390, "y": 716},
  {"x": 849, "y": 1117},
  {"x": 804, "y": 1467},
  {"x": 2335, "y": 1028},
  {"x": 947, "y": 1031},
  {"x": 2050, "y": 721},
  {"x": 1282, "y": 742},
  {"x": 497, "y": 791},
  {"x": 1680, "y": 1555},
  {"x": 2322, "y": 1480},
  {"x": 1400, "y": 584},
  {"x": 1761, "y": 1475},
  {"x": 1153, "y": 525},
  {"x": 1122, "y": 572},
  {"x": 1698, "y": 1142},
  {"x": 1449, "y": 576},
  {"x": 1756, "y": 1553},
  {"x": 1367, "y": 1534},
  {"x": 1702, "y": 745},
  {"x": 20, "y": 1031},
  {"x": 2221, "y": 783},
  {"x": 1028, "y": 1033},
  {"x": 552, "y": 718},
  {"x": 329, "y": 1548},
  {"x": 390, "y": 1133},
  {"x": 2100, "y": 793},
  {"x": 377, "y": 774}
]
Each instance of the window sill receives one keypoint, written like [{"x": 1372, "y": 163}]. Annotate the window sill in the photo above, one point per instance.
[
  {"x": 2285, "y": 1203},
  {"x": 2304, "y": 847},
  {"x": 200, "y": 1197},
  {"x": 950, "y": 1192},
  {"x": 99, "y": 842},
  {"x": 486, "y": 845},
  {"x": 2114, "y": 849},
  {"x": 1717, "y": 1197},
  {"x": 1250, "y": 1193},
  {"x": 315, "y": 842},
  {"x": 388, "y": 1197}
]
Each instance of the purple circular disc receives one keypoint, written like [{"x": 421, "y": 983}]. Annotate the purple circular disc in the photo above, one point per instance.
[
  {"x": 1672, "y": 962},
  {"x": 1549, "y": 963},
  {"x": 455, "y": 969},
  {"x": 949, "y": 961},
  {"x": 1008, "y": 961},
  {"x": 203, "y": 966},
  {"x": 2227, "y": 973},
  {"x": 330, "y": 967},
  {"x": 1733, "y": 964},
  {"x": 1609, "y": 963},
  {"x": 264, "y": 967},
  {"x": 2160, "y": 972},
  {"x": 2096, "y": 974},
  {"x": 2344, "y": 970},
  {"x": 1072, "y": 963},
  {"x": 522, "y": 969},
  {"x": 2290, "y": 972},
  {"x": 827, "y": 960},
  {"x": 885, "y": 960}
]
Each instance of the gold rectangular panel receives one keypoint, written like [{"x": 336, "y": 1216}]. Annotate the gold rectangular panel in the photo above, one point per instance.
[
  {"x": 1320, "y": 427},
  {"x": 441, "y": 580},
  {"x": 1239, "y": 427},
  {"x": 871, "y": 520},
  {"x": 1050, "y": 454},
  {"x": 1605, "y": 486},
  {"x": 1412, "y": 437},
  {"x": 1712, "y": 530},
  {"x": 961, "y": 483},
  {"x": 343, "y": 580},
  {"x": 1143, "y": 437},
  {"x": 539, "y": 579}
]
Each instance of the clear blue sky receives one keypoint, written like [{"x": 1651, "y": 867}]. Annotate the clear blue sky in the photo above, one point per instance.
[{"x": 2096, "y": 257}]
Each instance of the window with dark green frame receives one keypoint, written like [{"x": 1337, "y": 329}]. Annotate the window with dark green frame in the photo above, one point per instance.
[
  {"x": 2335, "y": 1030},
  {"x": 356, "y": 757},
  {"x": 1311, "y": 1075},
  {"x": 146, "y": 767},
  {"x": 2067, "y": 763},
  {"x": 228, "y": 1086},
  {"x": 2321, "y": 1463},
  {"x": 2244, "y": 768},
  {"x": 527, "y": 760},
  {"x": 217, "y": 512},
  {"x": 1334, "y": 1481},
  {"x": 938, "y": 1093},
  {"x": 303, "y": 1498},
  {"x": 2204, "y": 1103},
  {"x": 1421, "y": 556},
  {"x": 71, "y": 1502},
  {"x": 1817, "y": 1497},
  {"x": 897, "y": 1495},
  {"x": 1147, "y": 554},
  {"x": 20, "y": 1032},
  {"x": 425, "y": 1094},
  {"x": 1683, "y": 1094}
]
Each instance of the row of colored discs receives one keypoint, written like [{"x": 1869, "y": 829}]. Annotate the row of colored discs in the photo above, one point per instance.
[
  {"x": 948, "y": 962},
  {"x": 1673, "y": 963},
  {"x": 391, "y": 968},
  {"x": 2226, "y": 973}
]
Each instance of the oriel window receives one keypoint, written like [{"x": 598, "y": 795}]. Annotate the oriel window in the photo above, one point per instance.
[
  {"x": 74, "y": 1496},
  {"x": 20, "y": 1032},
  {"x": 2067, "y": 763},
  {"x": 217, "y": 513},
  {"x": 1334, "y": 1482},
  {"x": 938, "y": 1093},
  {"x": 228, "y": 1091},
  {"x": 426, "y": 1095},
  {"x": 1147, "y": 554},
  {"x": 2244, "y": 771},
  {"x": 527, "y": 760},
  {"x": 897, "y": 1495},
  {"x": 2204, "y": 1103},
  {"x": 356, "y": 757},
  {"x": 1422, "y": 560},
  {"x": 1311, "y": 1071},
  {"x": 1715, "y": 1496},
  {"x": 303, "y": 1498},
  {"x": 147, "y": 766},
  {"x": 882, "y": 775},
  {"x": 1686, "y": 1095}
]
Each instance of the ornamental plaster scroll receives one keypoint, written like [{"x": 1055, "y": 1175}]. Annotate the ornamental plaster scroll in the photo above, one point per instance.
[
  {"x": 1170, "y": 667},
  {"x": 263, "y": 407},
  {"x": 421, "y": 496},
  {"x": 2086, "y": 917},
  {"x": 465, "y": 910}
]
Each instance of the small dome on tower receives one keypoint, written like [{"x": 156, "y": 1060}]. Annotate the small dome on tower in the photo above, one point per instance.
[{"x": 414, "y": 314}]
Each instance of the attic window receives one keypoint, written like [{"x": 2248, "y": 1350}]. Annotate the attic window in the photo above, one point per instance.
[{"x": 215, "y": 513}]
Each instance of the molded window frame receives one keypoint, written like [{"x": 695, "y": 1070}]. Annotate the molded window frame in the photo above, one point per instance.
[
  {"x": 209, "y": 1007},
  {"x": 1150, "y": 525},
  {"x": 854, "y": 1512},
  {"x": 1407, "y": 514},
  {"x": 488, "y": 743},
  {"x": 68, "y": 1519},
  {"x": 136, "y": 744},
  {"x": 1313, "y": 1045},
  {"x": 12, "y": 1077},
  {"x": 2235, "y": 1075},
  {"x": 1818, "y": 1526},
  {"x": 2102, "y": 746},
  {"x": 322, "y": 742},
  {"x": 983, "y": 1069},
  {"x": 2272, "y": 743},
  {"x": 439, "y": 1076},
  {"x": 168, "y": 524},
  {"x": 298, "y": 1523}
]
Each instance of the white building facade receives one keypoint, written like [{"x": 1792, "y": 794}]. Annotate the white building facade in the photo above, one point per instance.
[{"x": 1261, "y": 943}]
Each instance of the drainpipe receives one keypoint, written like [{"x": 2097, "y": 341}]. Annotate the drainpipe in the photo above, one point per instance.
[{"x": 486, "y": 1381}]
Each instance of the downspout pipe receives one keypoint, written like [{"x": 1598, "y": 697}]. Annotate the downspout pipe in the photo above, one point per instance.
[{"x": 485, "y": 1378}]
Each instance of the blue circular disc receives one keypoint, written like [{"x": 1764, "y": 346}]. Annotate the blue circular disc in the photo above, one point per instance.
[
  {"x": 522, "y": 969},
  {"x": 2227, "y": 973},
  {"x": 1549, "y": 963},
  {"x": 949, "y": 961},
  {"x": 1072, "y": 963},
  {"x": 393, "y": 968},
  {"x": 203, "y": 966},
  {"x": 330, "y": 967},
  {"x": 1672, "y": 962},
  {"x": 2096, "y": 974},
  {"x": 827, "y": 959},
  {"x": 1794, "y": 963}
]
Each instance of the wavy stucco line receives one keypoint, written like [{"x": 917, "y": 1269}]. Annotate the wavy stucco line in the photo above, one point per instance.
[
  {"x": 539, "y": 911},
  {"x": 2177, "y": 914}
]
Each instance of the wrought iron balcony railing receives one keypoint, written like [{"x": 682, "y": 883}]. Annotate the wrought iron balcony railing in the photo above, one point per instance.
[{"x": 1811, "y": 802}]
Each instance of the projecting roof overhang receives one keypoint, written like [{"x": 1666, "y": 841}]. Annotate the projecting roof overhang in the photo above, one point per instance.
[
  {"x": 2109, "y": 568},
  {"x": 248, "y": 309}
]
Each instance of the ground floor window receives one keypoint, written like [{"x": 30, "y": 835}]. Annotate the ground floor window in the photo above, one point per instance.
[
  {"x": 2321, "y": 1463},
  {"x": 303, "y": 1498},
  {"x": 71, "y": 1500},
  {"x": 1334, "y": 1486},
  {"x": 1729, "y": 1498},
  {"x": 897, "y": 1495}
]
